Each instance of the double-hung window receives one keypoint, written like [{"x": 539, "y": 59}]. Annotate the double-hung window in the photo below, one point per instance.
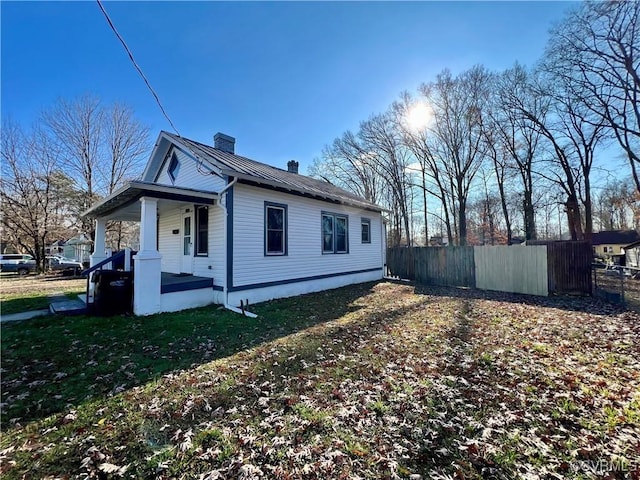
[
  {"x": 275, "y": 229},
  {"x": 366, "y": 230},
  {"x": 202, "y": 230},
  {"x": 335, "y": 233}
]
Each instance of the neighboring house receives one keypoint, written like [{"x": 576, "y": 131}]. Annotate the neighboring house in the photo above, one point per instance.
[
  {"x": 216, "y": 227},
  {"x": 78, "y": 248},
  {"x": 608, "y": 244},
  {"x": 632, "y": 254},
  {"x": 55, "y": 248}
]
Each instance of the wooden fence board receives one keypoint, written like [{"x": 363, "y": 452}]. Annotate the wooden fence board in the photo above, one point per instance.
[
  {"x": 400, "y": 263},
  {"x": 448, "y": 266},
  {"x": 569, "y": 265},
  {"x": 539, "y": 269},
  {"x": 516, "y": 269}
]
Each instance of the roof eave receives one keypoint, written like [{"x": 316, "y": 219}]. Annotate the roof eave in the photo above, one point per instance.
[
  {"x": 140, "y": 189},
  {"x": 303, "y": 191}
]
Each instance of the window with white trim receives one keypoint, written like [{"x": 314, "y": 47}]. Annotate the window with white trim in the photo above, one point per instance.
[
  {"x": 335, "y": 233},
  {"x": 365, "y": 230},
  {"x": 202, "y": 230},
  {"x": 275, "y": 229},
  {"x": 174, "y": 167}
]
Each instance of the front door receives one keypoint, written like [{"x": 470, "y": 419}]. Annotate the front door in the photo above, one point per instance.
[{"x": 187, "y": 243}]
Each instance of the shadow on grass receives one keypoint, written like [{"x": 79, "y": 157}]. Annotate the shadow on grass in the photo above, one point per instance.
[
  {"x": 25, "y": 304},
  {"x": 50, "y": 364},
  {"x": 562, "y": 302}
]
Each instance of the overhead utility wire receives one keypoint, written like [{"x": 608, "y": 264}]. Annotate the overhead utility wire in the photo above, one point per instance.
[{"x": 106, "y": 15}]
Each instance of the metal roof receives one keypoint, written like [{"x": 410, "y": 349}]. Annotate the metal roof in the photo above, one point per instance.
[{"x": 250, "y": 170}]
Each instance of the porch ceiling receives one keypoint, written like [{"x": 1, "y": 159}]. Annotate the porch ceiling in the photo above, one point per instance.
[{"x": 123, "y": 204}]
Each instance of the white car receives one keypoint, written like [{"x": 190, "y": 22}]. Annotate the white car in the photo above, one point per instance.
[
  {"x": 17, "y": 262},
  {"x": 63, "y": 264}
]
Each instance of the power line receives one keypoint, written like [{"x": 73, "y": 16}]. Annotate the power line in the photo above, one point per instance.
[{"x": 106, "y": 15}]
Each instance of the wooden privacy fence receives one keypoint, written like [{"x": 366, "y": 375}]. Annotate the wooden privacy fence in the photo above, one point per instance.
[
  {"x": 444, "y": 266},
  {"x": 540, "y": 269},
  {"x": 514, "y": 269}
]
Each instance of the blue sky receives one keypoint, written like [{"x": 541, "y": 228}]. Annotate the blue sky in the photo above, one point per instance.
[{"x": 284, "y": 79}]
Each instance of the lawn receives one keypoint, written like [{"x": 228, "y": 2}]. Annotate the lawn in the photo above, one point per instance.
[
  {"x": 369, "y": 381},
  {"x": 22, "y": 294}
]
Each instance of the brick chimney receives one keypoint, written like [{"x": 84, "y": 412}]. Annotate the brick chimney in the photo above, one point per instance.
[
  {"x": 292, "y": 166},
  {"x": 224, "y": 142}
]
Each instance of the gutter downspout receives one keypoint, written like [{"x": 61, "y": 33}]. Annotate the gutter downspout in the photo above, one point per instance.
[{"x": 225, "y": 291}]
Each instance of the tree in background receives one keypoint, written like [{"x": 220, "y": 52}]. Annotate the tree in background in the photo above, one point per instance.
[
  {"x": 513, "y": 139},
  {"x": 78, "y": 152},
  {"x": 596, "y": 51},
  {"x": 459, "y": 107},
  {"x": 541, "y": 129},
  {"x": 34, "y": 191},
  {"x": 618, "y": 206},
  {"x": 100, "y": 147}
]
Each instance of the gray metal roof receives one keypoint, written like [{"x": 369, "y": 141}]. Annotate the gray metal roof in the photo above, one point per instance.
[{"x": 250, "y": 170}]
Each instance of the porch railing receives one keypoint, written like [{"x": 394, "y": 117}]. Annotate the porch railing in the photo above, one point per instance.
[{"x": 121, "y": 255}]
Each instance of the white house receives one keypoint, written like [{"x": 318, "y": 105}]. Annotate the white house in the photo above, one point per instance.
[{"x": 216, "y": 227}]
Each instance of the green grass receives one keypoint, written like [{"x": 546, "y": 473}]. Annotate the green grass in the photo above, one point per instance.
[
  {"x": 24, "y": 303},
  {"x": 52, "y": 362},
  {"x": 29, "y": 301},
  {"x": 369, "y": 381}
]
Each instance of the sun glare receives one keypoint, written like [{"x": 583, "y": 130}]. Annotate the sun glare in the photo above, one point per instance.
[{"x": 418, "y": 116}]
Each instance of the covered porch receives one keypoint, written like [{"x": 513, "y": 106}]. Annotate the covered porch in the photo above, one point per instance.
[{"x": 153, "y": 290}]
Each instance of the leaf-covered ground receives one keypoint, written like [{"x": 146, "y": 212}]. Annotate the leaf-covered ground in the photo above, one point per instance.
[{"x": 396, "y": 383}]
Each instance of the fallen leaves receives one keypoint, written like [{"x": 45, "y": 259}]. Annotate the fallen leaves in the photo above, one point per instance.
[{"x": 439, "y": 384}]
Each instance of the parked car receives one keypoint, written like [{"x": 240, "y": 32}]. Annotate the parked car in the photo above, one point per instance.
[
  {"x": 20, "y": 263},
  {"x": 62, "y": 264}
]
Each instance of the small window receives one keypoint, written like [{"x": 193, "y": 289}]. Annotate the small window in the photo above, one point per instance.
[
  {"x": 366, "y": 230},
  {"x": 335, "y": 233},
  {"x": 275, "y": 229},
  {"x": 202, "y": 230},
  {"x": 174, "y": 167}
]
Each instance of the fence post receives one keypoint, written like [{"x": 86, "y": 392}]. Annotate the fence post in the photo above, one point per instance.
[{"x": 622, "y": 288}]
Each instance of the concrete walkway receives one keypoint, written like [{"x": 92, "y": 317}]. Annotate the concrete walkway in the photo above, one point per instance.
[{"x": 16, "y": 317}]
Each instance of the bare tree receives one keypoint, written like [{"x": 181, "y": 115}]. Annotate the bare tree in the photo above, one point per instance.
[
  {"x": 516, "y": 135},
  {"x": 100, "y": 146},
  {"x": 346, "y": 164},
  {"x": 459, "y": 108},
  {"x": 618, "y": 206},
  {"x": 127, "y": 143},
  {"x": 596, "y": 50},
  {"x": 384, "y": 149},
  {"x": 34, "y": 191}
]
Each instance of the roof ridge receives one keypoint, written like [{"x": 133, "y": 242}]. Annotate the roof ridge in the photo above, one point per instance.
[{"x": 261, "y": 172}]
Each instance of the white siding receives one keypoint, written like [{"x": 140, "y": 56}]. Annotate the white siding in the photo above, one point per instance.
[
  {"x": 305, "y": 258},
  {"x": 213, "y": 264},
  {"x": 189, "y": 175},
  {"x": 170, "y": 244},
  {"x": 299, "y": 288}
]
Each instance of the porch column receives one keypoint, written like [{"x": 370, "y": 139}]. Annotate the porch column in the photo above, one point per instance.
[
  {"x": 147, "y": 265},
  {"x": 99, "y": 243}
]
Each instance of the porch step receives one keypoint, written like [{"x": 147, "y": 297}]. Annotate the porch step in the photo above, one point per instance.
[{"x": 68, "y": 307}]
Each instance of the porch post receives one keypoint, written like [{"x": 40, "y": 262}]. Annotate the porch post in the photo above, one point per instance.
[
  {"x": 99, "y": 253},
  {"x": 147, "y": 265}
]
